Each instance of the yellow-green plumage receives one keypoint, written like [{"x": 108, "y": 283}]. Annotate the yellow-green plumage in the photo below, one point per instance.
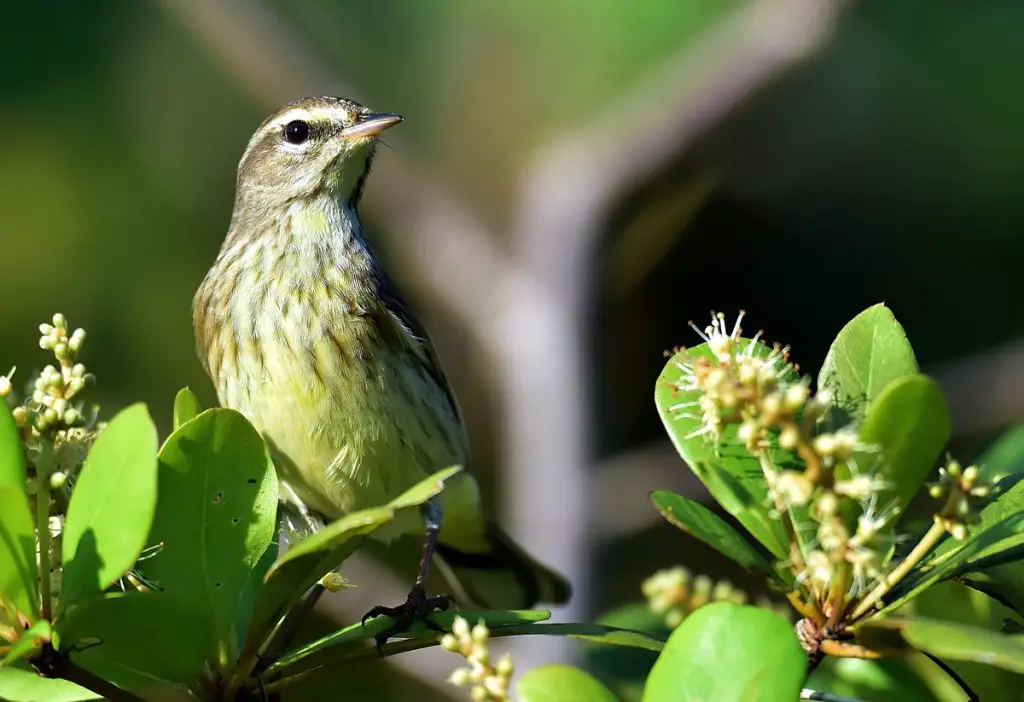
[{"x": 303, "y": 333}]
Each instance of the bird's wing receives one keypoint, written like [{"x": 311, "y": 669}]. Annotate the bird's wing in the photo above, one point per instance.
[{"x": 415, "y": 336}]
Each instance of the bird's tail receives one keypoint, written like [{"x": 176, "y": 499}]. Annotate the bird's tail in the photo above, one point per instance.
[{"x": 504, "y": 577}]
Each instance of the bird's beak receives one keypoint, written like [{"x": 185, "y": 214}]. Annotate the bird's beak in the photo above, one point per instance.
[{"x": 371, "y": 125}]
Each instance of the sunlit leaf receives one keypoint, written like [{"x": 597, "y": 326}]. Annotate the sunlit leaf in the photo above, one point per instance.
[
  {"x": 731, "y": 474},
  {"x": 700, "y": 522},
  {"x": 729, "y": 653},
  {"x": 112, "y": 506},
  {"x": 946, "y": 640},
  {"x": 869, "y": 352},
  {"x": 18, "y": 575},
  {"x": 215, "y": 520},
  {"x": 561, "y": 683},
  {"x": 186, "y": 407},
  {"x": 23, "y": 685},
  {"x": 354, "y": 636},
  {"x": 909, "y": 421},
  {"x": 321, "y": 552}
]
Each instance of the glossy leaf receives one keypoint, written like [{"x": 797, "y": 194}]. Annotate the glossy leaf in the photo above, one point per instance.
[
  {"x": 997, "y": 537},
  {"x": 30, "y": 642},
  {"x": 1003, "y": 583},
  {"x": 729, "y": 653},
  {"x": 354, "y": 636},
  {"x": 186, "y": 407},
  {"x": 1004, "y": 456},
  {"x": 869, "y": 352},
  {"x": 141, "y": 642},
  {"x": 882, "y": 680},
  {"x": 112, "y": 506},
  {"x": 561, "y": 683},
  {"x": 731, "y": 474},
  {"x": 749, "y": 511},
  {"x": 624, "y": 670},
  {"x": 18, "y": 574},
  {"x": 700, "y": 522},
  {"x": 909, "y": 421},
  {"x": 216, "y": 519},
  {"x": 320, "y": 553},
  {"x": 946, "y": 640},
  {"x": 24, "y": 685}
]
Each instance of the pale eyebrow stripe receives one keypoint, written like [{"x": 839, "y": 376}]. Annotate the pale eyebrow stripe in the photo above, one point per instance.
[{"x": 324, "y": 114}]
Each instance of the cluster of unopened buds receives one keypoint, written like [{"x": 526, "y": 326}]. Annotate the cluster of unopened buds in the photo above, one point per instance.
[
  {"x": 50, "y": 408},
  {"x": 489, "y": 681},
  {"x": 962, "y": 489},
  {"x": 736, "y": 385},
  {"x": 674, "y": 593}
]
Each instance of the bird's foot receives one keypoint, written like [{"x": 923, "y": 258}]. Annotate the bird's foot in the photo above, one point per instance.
[{"x": 417, "y": 607}]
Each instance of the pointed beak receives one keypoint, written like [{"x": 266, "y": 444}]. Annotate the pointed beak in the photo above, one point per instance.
[{"x": 371, "y": 125}]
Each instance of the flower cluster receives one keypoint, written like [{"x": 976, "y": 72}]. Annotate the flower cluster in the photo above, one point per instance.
[
  {"x": 489, "y": 681},
  {"x": 962, "y": 489},
  {"x": 826, "y": 485},
  {"x": 674, "y": 593},
  {"x": 55, "y": 431}
]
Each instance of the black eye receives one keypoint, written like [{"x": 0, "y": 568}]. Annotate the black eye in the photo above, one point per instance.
[{"x": 296, "y": 131}]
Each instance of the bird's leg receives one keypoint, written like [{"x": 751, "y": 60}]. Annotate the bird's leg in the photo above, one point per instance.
[{"x": 418, "y": 606}]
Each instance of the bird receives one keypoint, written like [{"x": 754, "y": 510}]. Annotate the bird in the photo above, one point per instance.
[{"x": 303, "y": 332}]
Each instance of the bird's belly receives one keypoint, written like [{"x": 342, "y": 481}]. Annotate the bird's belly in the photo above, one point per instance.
[{"x": 352, "y": 430}]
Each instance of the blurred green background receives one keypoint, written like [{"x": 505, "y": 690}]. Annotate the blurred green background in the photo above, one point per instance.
[{"x": 883, "y": 161}]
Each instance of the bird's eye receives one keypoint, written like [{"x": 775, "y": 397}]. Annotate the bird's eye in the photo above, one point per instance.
[{"x": 296, "y": 131}]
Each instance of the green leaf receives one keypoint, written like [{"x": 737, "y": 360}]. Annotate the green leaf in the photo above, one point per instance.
[
  {"x": 624, "y": 671},
  {"x": 29, "y": 642},
  {"x": 111, "y": 507},
  {"x": 997, "y": 537},
  {"x": 698, "y": 521},
  {"x": 354, "y": 636},
  {"x": 952, "y": 558},
  {"x": 1003, "y": 583},
  {"x": 737, "y": 500},
  {"x": 882, "y": 680},
  {"x": 216, "y": 519},
  {"x": 18, "y": 575},
  {"x": 251, "y": 590},
  {"x": 946, "y": 640},
  {"x": 909, "y": 420},
  {"x": 323, "y": 551},
  {"x": 1004, "y": 456},
  {"x": 733, "y": 477},
  {"x": 729, "y": 653},
  {"x": 186, "y": 407},
  {"x": 22, "y": 685},
  {"x": 870, "y": 352},
  {"x": 140, "y": 641},
  {"x": 561, "y": 683}
]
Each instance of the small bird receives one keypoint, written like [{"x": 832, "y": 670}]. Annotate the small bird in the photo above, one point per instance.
[{"x": 303, "y": 333}]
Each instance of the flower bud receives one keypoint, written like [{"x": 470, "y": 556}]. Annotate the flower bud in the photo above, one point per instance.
[{"x": 460, "y": 677}]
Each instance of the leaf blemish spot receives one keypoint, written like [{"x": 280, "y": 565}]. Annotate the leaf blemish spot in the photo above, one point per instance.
[
  {"x": 251, "y": 481},
  {"x": 218, "y": 497},
  {"x": 234, "y": 520},
  {"x": 217, "y": 584}
]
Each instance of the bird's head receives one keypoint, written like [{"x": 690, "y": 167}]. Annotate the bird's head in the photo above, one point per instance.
[{"x": 310, "y": 146}]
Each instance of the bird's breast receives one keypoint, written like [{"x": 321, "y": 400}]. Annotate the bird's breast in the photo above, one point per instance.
[{"x": 351, "y": 415}]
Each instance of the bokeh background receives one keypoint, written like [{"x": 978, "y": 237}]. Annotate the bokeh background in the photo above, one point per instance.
[{"x": 574, "y": 181}]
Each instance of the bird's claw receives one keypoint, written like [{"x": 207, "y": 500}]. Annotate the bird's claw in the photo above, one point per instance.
[{"x": 417, "y": 607}]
